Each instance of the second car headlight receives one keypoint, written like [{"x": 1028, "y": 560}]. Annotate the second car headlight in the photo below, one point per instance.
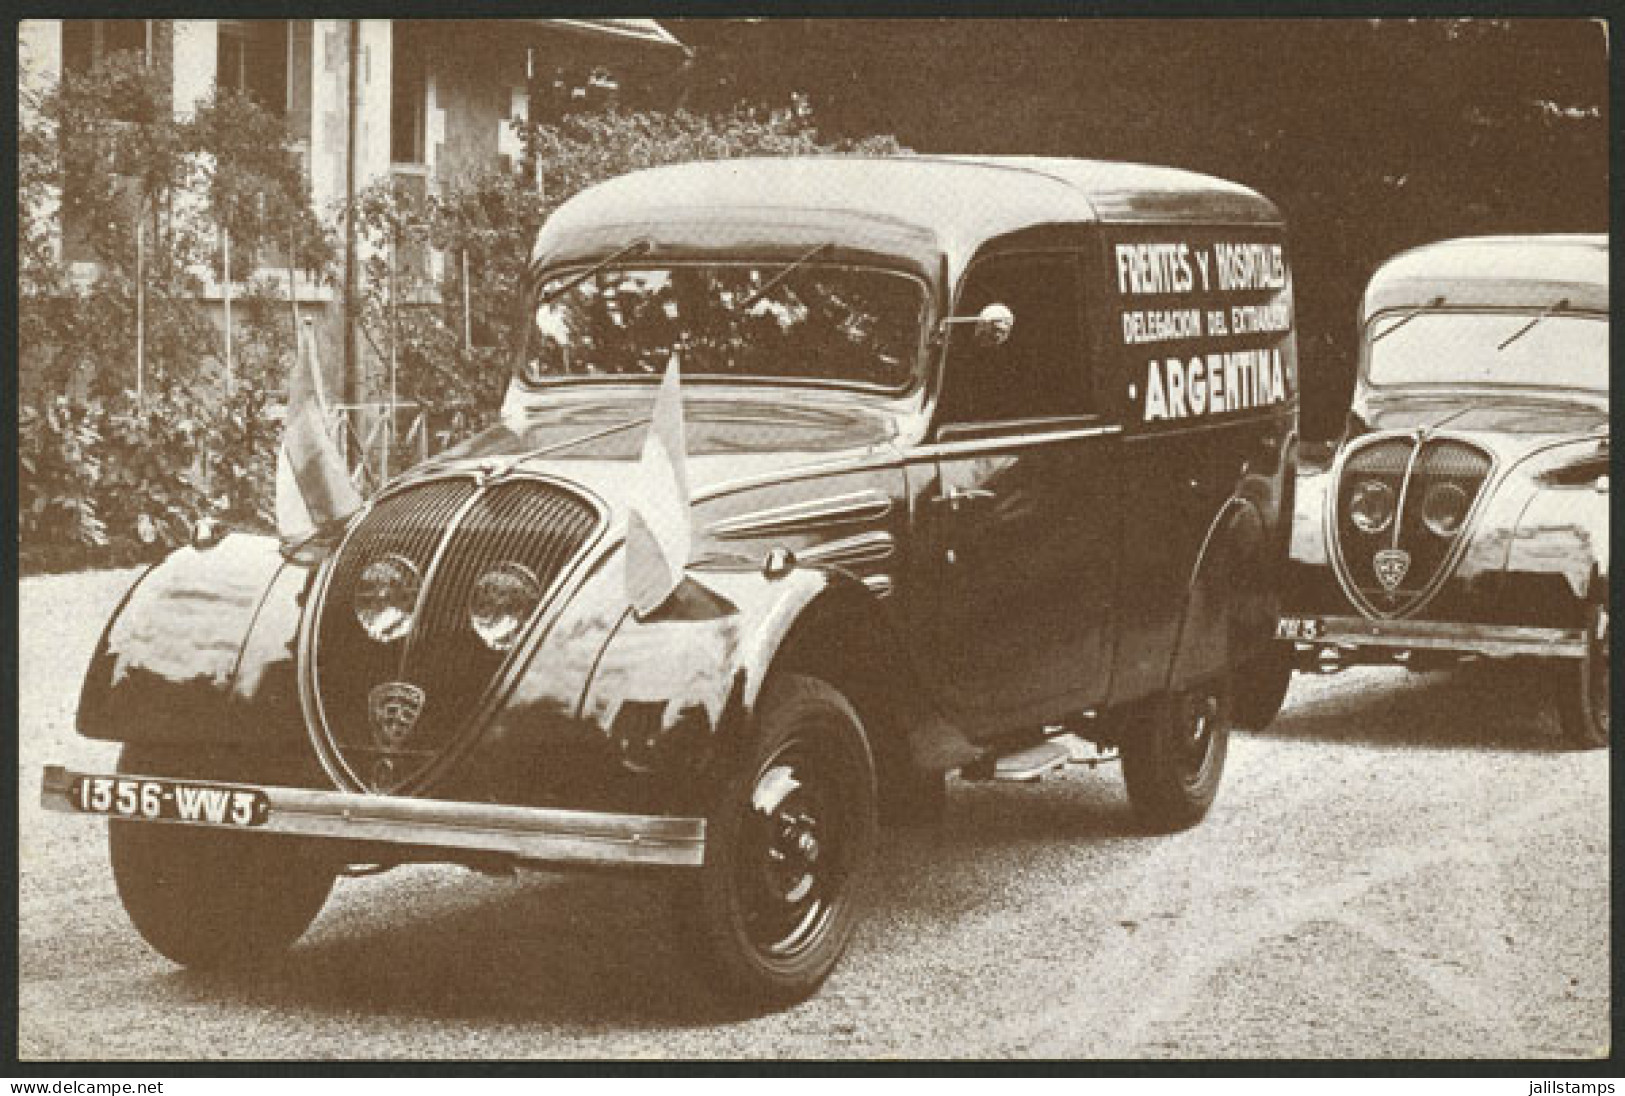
[
  {"x": 1444, "y": 508},
  {"x": 1371, "y": 506},
  {"x": 386, "y": 597},
  {"x": 503, "y": 601}
]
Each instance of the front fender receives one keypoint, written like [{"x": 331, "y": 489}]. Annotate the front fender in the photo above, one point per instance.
[
  {"x": 1530, "y": 528},
  {"x": 706, "y": 652},
  {"x": 1563, "y": 530},
  {"x": 1309, "y": 519},
  {"x": 611, "y": 712},
  {"x": 201, "y": 651}
]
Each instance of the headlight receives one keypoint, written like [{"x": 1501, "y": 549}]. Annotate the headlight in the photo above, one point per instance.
[
  {"x": 386, "y": 597},
  {"x": 1371, "y": 506},
  {"x": 1444, "y": 508},
  {"x": 503, "y": 600}
]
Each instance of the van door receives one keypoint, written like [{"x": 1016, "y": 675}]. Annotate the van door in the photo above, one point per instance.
[
  {"x": 1204, "y": 352},
  {"x": 1020, "y": 529}
]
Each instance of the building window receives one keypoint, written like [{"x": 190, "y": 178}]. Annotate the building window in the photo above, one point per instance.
[
  {"x": 86, "y": 45},
  {"x": 88, "y": 42},
  {"x": 255, "y": 57},
  {"x": 408, "y": 98}
]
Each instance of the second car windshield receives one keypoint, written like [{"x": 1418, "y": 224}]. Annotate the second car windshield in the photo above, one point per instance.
[
  {"x": 1514, "y": 347},
  {"x": 746, "y": 321}
]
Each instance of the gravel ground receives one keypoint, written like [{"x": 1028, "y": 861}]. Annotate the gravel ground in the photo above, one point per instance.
[{"x": 1403, "y": 865}]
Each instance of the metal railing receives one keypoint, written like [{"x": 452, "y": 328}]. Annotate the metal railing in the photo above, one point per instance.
[{"x": 380, "y": 440}]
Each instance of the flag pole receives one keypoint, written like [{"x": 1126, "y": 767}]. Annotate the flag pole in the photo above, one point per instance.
[{"x": 230, "y": 364}]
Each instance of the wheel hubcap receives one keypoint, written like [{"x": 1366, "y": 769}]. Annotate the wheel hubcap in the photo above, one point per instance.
[
  {"x": 1202, "y": 723},
  {"x": 793, "y": 867}
]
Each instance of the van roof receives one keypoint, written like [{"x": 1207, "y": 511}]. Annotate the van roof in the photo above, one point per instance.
[
  {"x": 925, "y": 208},
  {"x": 1533, "y": 271}
]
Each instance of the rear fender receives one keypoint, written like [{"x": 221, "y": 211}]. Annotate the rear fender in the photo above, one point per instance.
[
  {"x": 202, "y": 650},
  {"x": 1231, "y": 600}
]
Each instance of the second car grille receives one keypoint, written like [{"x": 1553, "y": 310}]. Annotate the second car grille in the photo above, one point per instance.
[
  {"x": 452, "y": 532},
  {"x": 1390, "y": 460}
]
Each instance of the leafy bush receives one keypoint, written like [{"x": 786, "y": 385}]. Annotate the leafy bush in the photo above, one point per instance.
[
  {"x": 118, "y": 462},
  {"x": 108, "y": 484}
]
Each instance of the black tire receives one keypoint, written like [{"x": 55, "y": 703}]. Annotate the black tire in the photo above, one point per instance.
[
  {"x": 787, "y": 839},
  {"x": 211, "y": 898},
  {"x": 1173, "y": 761},
  {"x": 1262, "y": 686},
  {"x": 1583, "y": 687}
]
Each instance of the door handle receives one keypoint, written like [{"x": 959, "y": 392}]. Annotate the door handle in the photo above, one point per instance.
[{"x": 954, "y": 497}]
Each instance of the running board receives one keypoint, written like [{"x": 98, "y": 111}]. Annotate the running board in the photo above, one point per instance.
[{"x": 1038, "y": 760}]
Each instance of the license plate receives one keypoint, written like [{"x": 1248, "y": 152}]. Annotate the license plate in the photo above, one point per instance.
[
  {"x": 1297, "y": 628},
  {"x": 170, "y": 800}
]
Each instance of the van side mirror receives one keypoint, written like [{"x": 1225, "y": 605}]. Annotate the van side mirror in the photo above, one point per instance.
[{"x": 992, "y": 325}]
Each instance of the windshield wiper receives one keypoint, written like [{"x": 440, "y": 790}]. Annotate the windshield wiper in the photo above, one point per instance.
[
  {"x": 780, "y": 276},
  {"x": 1435, "y": 427},
  {"x": 1556, "y": 306},
  {"x": 1407, "y": 318},
  {"x": 636, "y": 247}
]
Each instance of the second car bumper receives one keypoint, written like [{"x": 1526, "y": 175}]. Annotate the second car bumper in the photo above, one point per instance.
[
  {"x": 1354, "y": 634},
  {"x": 530, "y": 834}
]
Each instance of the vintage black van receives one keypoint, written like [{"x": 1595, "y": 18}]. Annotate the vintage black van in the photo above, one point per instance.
[{"x": 817, "y": 480}]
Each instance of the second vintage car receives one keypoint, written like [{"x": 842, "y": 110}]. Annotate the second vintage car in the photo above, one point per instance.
[
  {"x": 1466, "y": 514},
  {"x": 817, "y": 480}
]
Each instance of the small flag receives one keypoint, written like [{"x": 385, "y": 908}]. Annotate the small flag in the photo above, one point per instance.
[
  {"x": 659, "y": 535},
  {"x": 312, "y": 486}
]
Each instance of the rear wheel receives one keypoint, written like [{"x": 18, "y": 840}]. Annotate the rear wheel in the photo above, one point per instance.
[
  {"x": 1262, "y": 686},
  {"x": 787, "y": 839},
  {"x": 212, "y": 897},
  {"x": 1173, "y": 761},
  {"x": 1583, "y": 697}
]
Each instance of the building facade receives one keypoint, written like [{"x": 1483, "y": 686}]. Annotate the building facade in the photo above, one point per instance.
[{"x": 363, "y": 100}]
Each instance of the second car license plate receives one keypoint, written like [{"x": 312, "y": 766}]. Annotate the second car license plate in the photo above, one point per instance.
[
  {"x": 1297, "y": 628},
  {"x": 170, "y": 800}
]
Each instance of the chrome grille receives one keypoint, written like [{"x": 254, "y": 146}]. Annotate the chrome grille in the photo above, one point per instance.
[
  {"x": 453, "y": 532},
  {"x": 1383, "y": 458},
  {"x": 1440, "y": 460},
  {"x": 1457, "y": 460}
]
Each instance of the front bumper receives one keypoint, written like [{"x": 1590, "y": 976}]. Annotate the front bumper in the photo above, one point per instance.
[
  {"x": 1349, "y": 636},
  {"x": 531, "y": 834}
]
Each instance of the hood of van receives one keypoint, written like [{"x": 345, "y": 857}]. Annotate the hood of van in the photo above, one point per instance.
[{"x": 598, "y": 443}]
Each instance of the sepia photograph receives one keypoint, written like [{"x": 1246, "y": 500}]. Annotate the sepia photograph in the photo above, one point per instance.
[{"x": 855, "y": 539}]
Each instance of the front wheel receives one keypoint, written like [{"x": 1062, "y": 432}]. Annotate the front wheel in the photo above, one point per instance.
[
  {"x": 1173, "y": 761},
  {"x": 205, "y": 897},
  {"x": 1583, "y": 684},
  {"x": 787, "y": 839}
]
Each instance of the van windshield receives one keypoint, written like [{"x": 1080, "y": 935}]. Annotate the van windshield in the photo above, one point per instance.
[
  {"x": 1525, "y": 348},
  {"x": 733, "y": 321}
]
